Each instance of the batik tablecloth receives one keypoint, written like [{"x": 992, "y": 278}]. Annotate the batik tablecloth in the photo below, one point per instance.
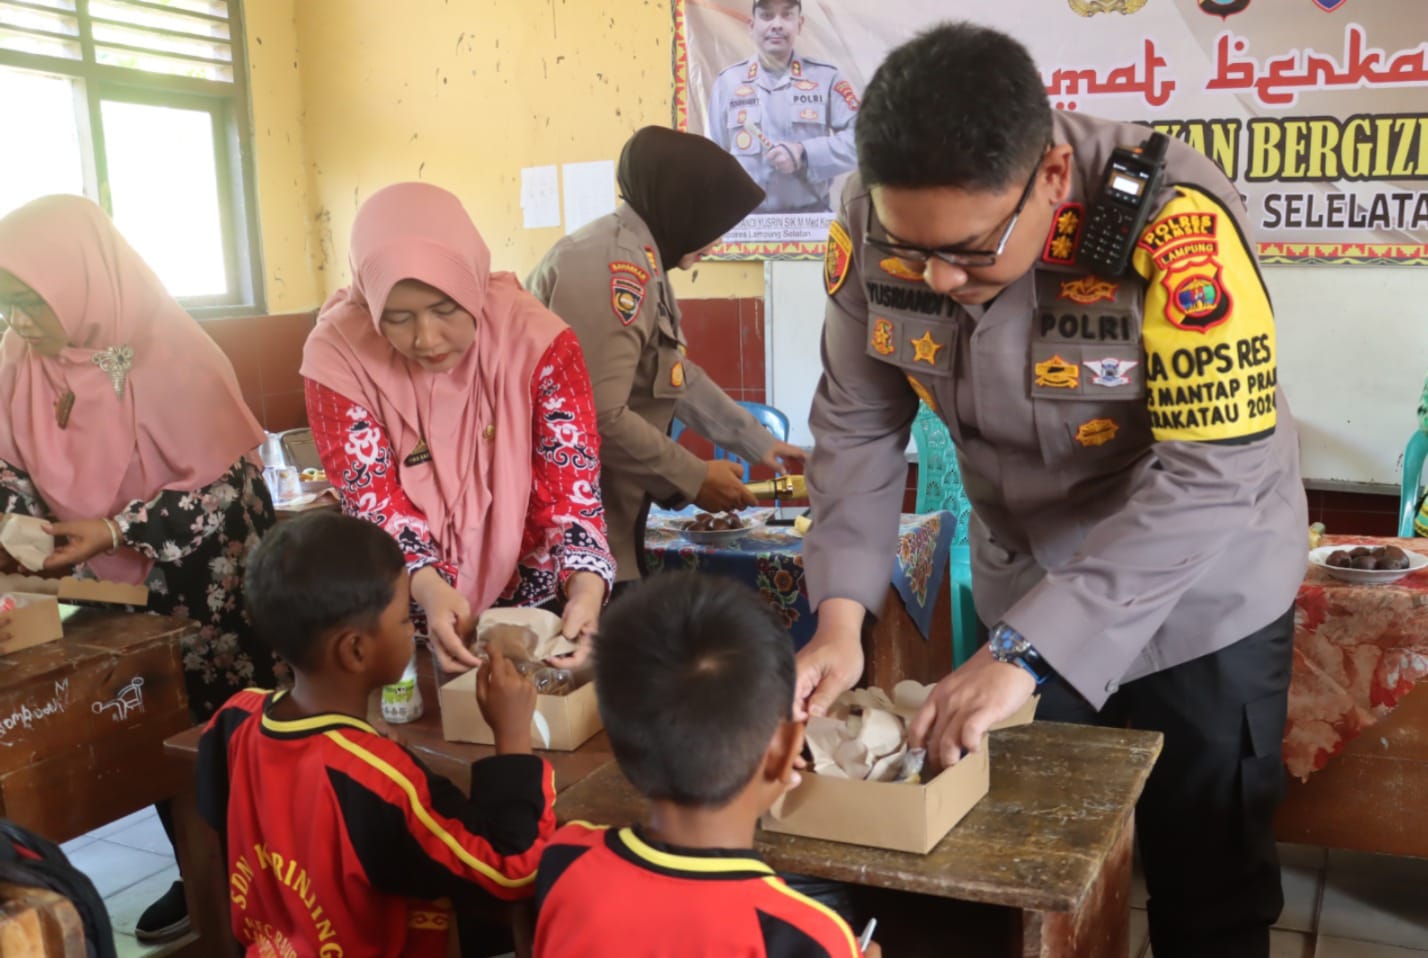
[
  {"x": 1358, "y": 649},
  {"x": 770, "y": 559}
]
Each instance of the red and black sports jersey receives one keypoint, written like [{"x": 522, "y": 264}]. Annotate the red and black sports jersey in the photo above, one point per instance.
[
  {"x": 339, "y": 842},
  {"x": 603, "y": 893}
]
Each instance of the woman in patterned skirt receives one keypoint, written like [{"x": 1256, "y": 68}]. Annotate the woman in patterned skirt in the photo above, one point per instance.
[
  {"x": 452, "y": 409},
  {"x": 126, "y": 430}
]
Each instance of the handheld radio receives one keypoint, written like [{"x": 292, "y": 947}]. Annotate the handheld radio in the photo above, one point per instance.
[{"x": 1121, "y": 208}]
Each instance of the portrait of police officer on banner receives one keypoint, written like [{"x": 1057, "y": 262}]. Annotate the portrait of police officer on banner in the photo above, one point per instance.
[{"x": 787, "y": 117}]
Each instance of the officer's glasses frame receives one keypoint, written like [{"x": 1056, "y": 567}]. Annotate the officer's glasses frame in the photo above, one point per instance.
[{"x": 920, "y": 256}]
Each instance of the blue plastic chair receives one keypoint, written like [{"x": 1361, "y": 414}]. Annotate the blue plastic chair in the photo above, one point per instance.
[
  {"x": 939, "y": 487},
  {"x": 1410, "y": 489},
  {"x": 770, "y": 418}
]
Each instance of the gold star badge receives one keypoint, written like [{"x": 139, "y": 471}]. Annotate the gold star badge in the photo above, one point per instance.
[{"x": 926, "y": 349}]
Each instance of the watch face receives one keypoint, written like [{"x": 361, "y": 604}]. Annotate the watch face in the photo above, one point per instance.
[{"x": 1004, "y": 641}]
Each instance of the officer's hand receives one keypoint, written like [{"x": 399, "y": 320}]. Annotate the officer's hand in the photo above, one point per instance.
[
  {"x": 723, "y": 487},
  {"x": 832, "y": 660},
  {"x": 966, "y": 704},
  {"x": 786, "y": 157},
  {"x": 778, "y": 456}
]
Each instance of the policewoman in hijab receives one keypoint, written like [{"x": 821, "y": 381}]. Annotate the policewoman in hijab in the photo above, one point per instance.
[{"x": 609, "y": 281}]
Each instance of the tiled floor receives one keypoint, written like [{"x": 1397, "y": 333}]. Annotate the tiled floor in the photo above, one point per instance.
[
  {"x": 131, "y": 865},
  {"x": 1336, "y": 904}
]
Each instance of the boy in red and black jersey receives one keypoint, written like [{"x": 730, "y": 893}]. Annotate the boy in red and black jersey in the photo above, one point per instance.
[
  {"x": 695, "y": 679},
  {"x": 337, "y": 840}
]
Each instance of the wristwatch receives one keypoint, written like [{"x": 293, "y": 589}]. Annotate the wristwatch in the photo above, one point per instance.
[{"x": 1010, "y": 646}]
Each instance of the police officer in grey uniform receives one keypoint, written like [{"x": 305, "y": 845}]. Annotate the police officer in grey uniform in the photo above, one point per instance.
[
  {"x": 788, "y": 118},
  {"x": 609, "y": 280},
  {"x": 1138, "y": 529}
]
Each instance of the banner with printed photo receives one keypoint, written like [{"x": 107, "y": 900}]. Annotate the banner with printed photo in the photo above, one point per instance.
[{"x": 1317, "y": 109}]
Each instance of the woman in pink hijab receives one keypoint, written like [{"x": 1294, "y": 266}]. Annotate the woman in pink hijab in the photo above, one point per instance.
[
  {"x": 125, "y": 428},
  {"x": 455, "y": 411}
]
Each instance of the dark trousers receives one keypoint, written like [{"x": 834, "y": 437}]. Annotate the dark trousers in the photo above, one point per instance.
[{"x": 1205, "y": 824}]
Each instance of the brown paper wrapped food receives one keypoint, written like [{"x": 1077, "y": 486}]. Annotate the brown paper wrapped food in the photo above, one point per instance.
[{"x": 523, "y": 633}]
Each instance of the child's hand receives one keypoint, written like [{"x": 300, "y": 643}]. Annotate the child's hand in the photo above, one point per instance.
[
  {"x": 874, "y": 950},
  {"x": 507, "y": 700}
]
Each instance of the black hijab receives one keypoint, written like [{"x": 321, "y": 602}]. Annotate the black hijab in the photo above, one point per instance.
[{"x": 686, "y": 188}]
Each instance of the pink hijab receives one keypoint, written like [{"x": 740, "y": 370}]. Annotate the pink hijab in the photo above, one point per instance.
[
  {"x": 181, "y": 421},
  {"x": 476, "y": 418}
]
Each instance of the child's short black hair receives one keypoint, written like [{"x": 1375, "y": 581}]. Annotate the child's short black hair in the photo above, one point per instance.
[
  {"x": 694, "y": 674},
  {"x": 959, "y": 105},
  {"x": 316, "y": 573}
]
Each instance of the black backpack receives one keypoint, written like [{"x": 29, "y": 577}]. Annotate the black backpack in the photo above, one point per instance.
[{"x": 36, "y": 862}]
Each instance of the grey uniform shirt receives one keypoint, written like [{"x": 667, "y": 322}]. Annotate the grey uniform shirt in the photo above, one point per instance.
[
  {"x": 606, "y": 281},
  {"x": 809, "y": 103},
  {"x": 1132, "y": 465}
]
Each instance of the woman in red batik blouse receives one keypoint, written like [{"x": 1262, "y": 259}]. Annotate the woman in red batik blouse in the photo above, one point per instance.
[{"x": 453, "y": 410}]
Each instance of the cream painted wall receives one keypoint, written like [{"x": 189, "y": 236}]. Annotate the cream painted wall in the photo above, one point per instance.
[
  {"x": 462, "y": 94},
  {"x": 284, "y": 201}
]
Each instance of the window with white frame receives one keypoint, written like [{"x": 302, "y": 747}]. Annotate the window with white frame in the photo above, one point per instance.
[{"x": 140, "y": 105}]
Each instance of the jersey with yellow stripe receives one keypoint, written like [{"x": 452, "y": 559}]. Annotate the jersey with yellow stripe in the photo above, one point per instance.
[
  {"x": 612, "y": 892},
  {"x": 1208, "y": 331},
  {"x": 339, "y": 839}
]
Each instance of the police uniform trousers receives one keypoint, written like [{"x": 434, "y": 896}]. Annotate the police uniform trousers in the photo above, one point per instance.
[{"x": 1205, "y": 823}]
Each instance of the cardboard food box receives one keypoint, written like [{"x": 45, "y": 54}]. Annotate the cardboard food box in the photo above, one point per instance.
[
  {"x": 894, "y": 815},
  {"x": 562, "y": 722},
  {"x": 39, "y": 614}
]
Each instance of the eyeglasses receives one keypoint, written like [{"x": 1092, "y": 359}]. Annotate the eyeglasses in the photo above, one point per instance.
[
  {"x": 919, "y": 256},
  {"x": 29, "y": 308}
]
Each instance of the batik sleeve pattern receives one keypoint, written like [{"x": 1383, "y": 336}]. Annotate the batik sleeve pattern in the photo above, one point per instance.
[
  {"x": 361, "y": 466},
  {"x": 18, "y": 494},
  {"x": 565, "y": 522}
]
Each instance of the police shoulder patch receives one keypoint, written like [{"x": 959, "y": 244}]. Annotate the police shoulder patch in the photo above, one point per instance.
[
  {"x": 627, "y": 290},
  {"x": 845, "y": 89},
  {"x": 837, "y": 257}
]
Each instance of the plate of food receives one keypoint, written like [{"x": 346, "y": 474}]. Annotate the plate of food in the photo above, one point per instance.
[
  {"x": 711, "y": 530},
  {"x": 1367, "y": 565}
]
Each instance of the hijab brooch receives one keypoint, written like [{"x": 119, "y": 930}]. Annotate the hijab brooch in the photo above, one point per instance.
[{"x": 116, "y": 361}]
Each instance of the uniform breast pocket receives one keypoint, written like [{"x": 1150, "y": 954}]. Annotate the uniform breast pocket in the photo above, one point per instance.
[
  {"x": 809, "y": 119},
  {"x": 1089, "y": 431},
  {"x": 742, "y": 141}
]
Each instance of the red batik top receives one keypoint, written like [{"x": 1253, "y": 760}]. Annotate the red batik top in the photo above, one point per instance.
[{"x": 565, "y": 520}]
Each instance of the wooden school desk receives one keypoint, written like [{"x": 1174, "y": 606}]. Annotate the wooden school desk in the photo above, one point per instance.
[
  {"x": 82, "y": 725},
  {"x": 1040, "y": 867}
]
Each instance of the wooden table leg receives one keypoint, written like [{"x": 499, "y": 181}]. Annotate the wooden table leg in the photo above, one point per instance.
[
  {"x": 205, "y": 882},
  {"x": 1100, "y": 928}
]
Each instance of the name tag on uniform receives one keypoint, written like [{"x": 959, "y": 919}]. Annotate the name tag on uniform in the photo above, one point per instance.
[
  {"x": 419, "y": 456},
  {"x": 909, "y": 325}
]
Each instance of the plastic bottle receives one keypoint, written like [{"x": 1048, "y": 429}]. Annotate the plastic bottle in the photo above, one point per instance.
[{"x": 401, "y": 701}]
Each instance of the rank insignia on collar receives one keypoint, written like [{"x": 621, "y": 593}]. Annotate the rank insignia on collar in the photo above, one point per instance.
[
  {"x": 1065, "y": 235},
  {"x": 1057, "y": 373}
]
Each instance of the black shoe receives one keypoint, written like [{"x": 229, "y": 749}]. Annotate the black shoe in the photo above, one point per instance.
[{"x": 166, "y": 919}]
